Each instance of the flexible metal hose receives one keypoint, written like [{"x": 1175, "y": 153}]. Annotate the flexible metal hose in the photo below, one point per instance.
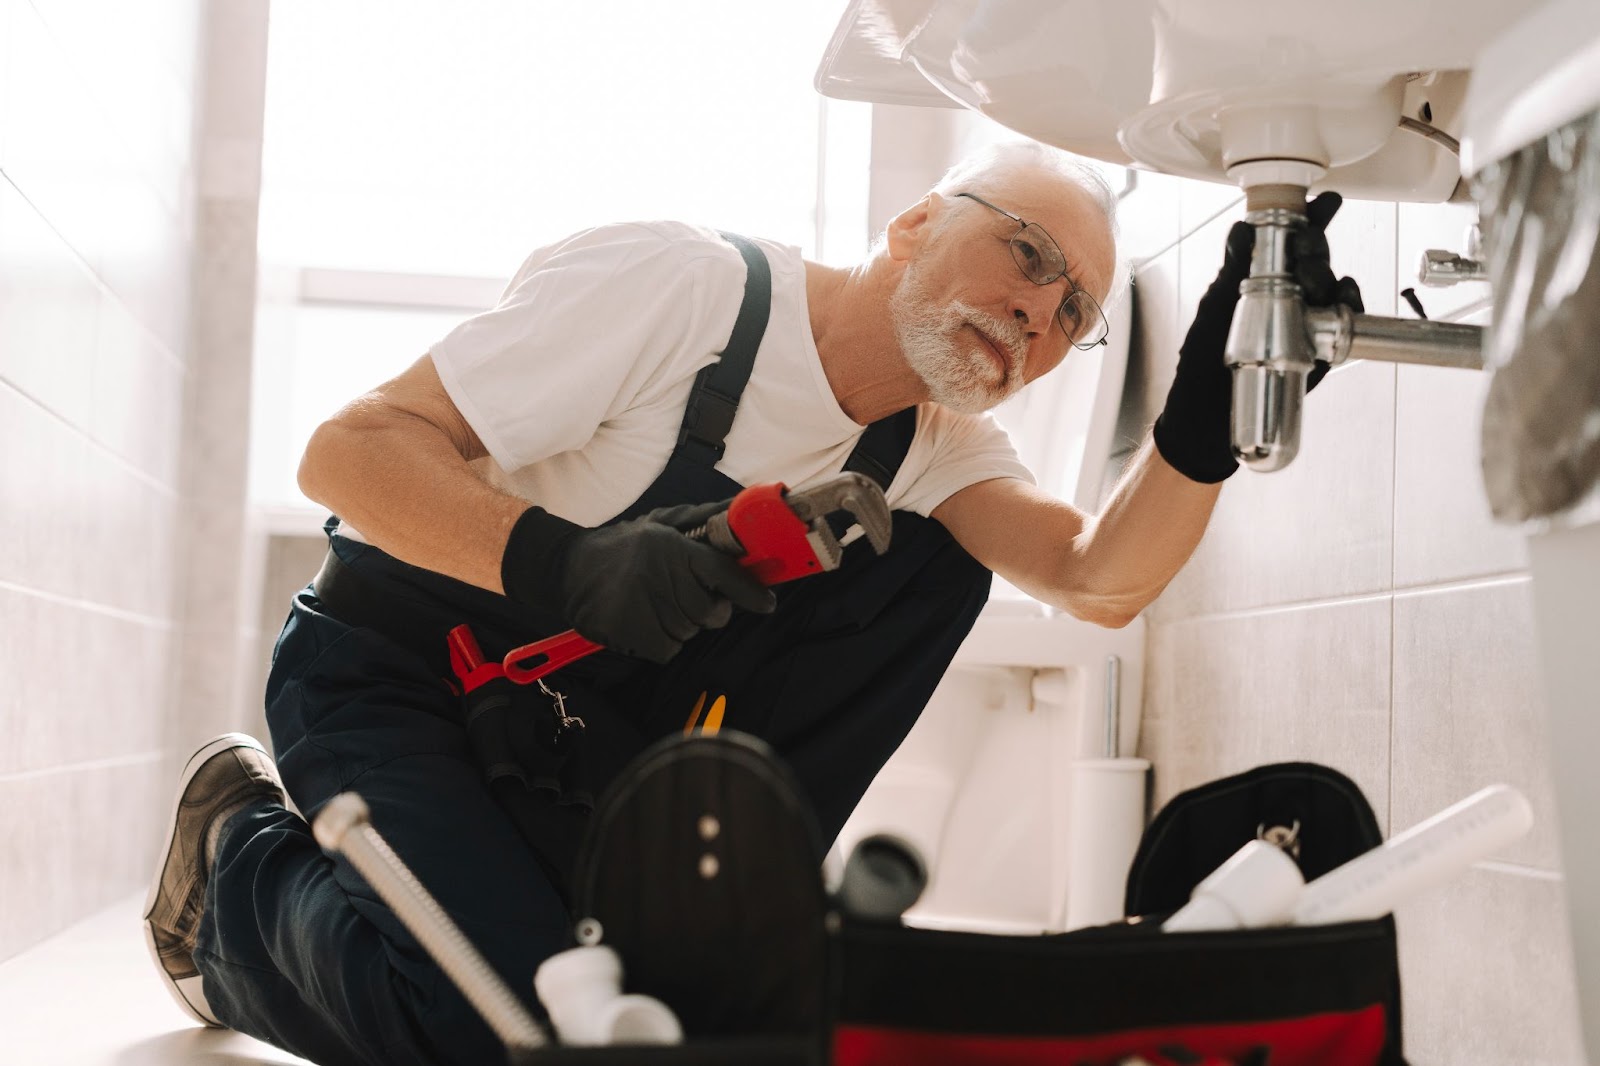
[{"x": 343, "y": 826}]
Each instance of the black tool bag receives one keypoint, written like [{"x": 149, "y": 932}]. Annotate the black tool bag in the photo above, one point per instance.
[
  {"x": 1115, "y": 994},
  {"x": 745, "y": 948},
  {"x": 703, "y": 867}
]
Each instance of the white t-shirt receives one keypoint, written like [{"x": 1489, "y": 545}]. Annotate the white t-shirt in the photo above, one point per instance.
[{"x": 576, "y": 382}]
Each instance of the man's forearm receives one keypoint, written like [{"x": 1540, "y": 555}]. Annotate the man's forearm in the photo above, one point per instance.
[
  {"x": 411, "y": 493},
  {"x": 1146, "y": 531}
]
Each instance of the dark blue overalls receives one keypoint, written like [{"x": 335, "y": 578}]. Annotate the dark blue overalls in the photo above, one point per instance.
[{"x": 295, "y": 947}]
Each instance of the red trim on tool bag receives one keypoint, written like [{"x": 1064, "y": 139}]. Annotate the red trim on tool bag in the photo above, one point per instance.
[{"x": 1351, "y": 1038}]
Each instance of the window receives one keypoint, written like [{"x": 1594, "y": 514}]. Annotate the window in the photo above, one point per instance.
[{"x": 416, "y": 153}]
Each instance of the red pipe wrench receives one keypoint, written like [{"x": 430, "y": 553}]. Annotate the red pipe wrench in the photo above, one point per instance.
[{"x": 778, "y": 535}]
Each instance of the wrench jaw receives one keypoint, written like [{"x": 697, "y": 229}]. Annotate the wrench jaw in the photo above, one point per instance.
[
  {"x": 829, "y": 552},
  {"x": 855, "y": 494},
  {"x": 763, "y": 525}
]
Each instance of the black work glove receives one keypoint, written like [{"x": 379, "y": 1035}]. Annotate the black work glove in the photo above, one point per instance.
[
  {"x": 1192, "y": 433},
  {"x": 639, "y": 587}
]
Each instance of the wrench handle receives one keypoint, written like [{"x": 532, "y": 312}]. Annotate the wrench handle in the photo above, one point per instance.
[
  {"x": 529, "y": 663},
  {"x": 775, "y": 547}
]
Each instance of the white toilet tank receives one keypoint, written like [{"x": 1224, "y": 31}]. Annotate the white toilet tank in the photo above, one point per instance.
[{"x": 1009, "y": 784}]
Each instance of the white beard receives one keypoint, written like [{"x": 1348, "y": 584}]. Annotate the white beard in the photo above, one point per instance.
[{"x": 963, "y": 381}]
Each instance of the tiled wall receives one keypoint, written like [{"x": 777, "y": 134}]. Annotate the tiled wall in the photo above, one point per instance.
[
  {"x": 102, "y": 215},
  {"x": 95, "y": 231},
  {"x": 1359, "y": 609}
]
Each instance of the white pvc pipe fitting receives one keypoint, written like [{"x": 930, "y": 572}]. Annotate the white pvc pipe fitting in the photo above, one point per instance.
[
  {"x": 1258, "y": 886},
  {"x": 582, "y": 990}
]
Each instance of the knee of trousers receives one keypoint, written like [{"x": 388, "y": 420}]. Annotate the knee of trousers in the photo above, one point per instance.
[{"x": 342, "y": 700}]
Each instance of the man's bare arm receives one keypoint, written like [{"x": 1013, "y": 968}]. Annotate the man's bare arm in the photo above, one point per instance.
[
  {"x": 393, "y": 463},
  {"x": 1104, "y": 569}
]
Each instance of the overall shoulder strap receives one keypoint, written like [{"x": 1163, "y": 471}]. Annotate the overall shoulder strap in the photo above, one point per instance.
[
  {"x": 717, "y": 388},
  {"x": 714, "y": 399},
  {"x": 883, "y": 447}
]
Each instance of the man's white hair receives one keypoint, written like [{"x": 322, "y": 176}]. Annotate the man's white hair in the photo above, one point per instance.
[{"x": 998, "y": 162}]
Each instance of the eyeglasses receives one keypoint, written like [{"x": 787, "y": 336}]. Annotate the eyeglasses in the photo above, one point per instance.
[{"x": 1041, "y": 261}]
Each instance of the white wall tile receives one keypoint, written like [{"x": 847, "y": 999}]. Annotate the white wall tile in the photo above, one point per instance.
[
  {"x": 1226, "y": 694},
  {"x": 82, "y": 685},
  {"x": 1486, "y": 974},
  {"x": 1147, "y": 218},
  {"x": 87, "y": 176},
  {"x": 6, "y": 16},
  {"x": 142, "y": 259},
  {"x": 46, "y": 518},
  {"x": 136, "y": 395},
  {"x": 1443, "y": 528},
  {"x": 134, "y": 63},
  {"x": 125, "y": 557},
  {"x": 1468, "y": 711},
  {"x": 57, "y": 146},
  {"x": 95, "y": 228},
  {"x": 16, "y": 652},
  {"x": 48, "y": 301},
  {"x": 74, "y": 841},
  {"x": 1199, "y": 258},
  {"x": 1319, "y": 528},
  {"x": 1361, "y": 242},
  {"x": 1201, "y": 201}
]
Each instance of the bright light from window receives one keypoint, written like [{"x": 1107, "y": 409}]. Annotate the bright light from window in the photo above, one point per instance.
[
  {"x": 454, "y": 138},
  {"x": 435, "y": 138}
]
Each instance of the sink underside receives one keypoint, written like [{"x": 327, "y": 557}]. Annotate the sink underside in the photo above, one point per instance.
[{"x": 1159, "y": 84}]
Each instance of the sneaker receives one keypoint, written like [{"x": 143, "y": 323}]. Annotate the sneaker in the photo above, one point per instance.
[{"x": 219, "y": 779}]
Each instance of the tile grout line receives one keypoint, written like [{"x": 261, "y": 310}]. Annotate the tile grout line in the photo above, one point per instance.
[
  {"x": 1498, "y": 577},
  {"x": 1137, "y": 264},
  {"x": 113, "y": 763},
  {"x": 1517, "y": 869},
  {"x": 1504, "y": 577},
  {"x": 119, "y": 613},
  {"x": 73, "y": 62},
  {"x": 127, "y": 466},
  {"x": 1394, "y": 539},
  {"x": 1203, "y": 223},
  {"x": 96, "y": 280}
]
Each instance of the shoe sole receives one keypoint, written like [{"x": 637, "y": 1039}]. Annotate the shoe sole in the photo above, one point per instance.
[{"x": 220, "y": 744}]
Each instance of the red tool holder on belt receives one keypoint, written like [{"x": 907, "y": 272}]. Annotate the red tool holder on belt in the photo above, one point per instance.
[{"x": 778, "y": 535}]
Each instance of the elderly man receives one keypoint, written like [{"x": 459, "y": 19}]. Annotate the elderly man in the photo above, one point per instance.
[{"x": 535, "y": 471}]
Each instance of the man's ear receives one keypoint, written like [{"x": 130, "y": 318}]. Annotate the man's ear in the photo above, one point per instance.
[{"x": 908, "y": 230}]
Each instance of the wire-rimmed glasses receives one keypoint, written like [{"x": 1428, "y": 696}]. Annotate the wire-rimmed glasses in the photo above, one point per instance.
[{"x": 1040, "y": 259}]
